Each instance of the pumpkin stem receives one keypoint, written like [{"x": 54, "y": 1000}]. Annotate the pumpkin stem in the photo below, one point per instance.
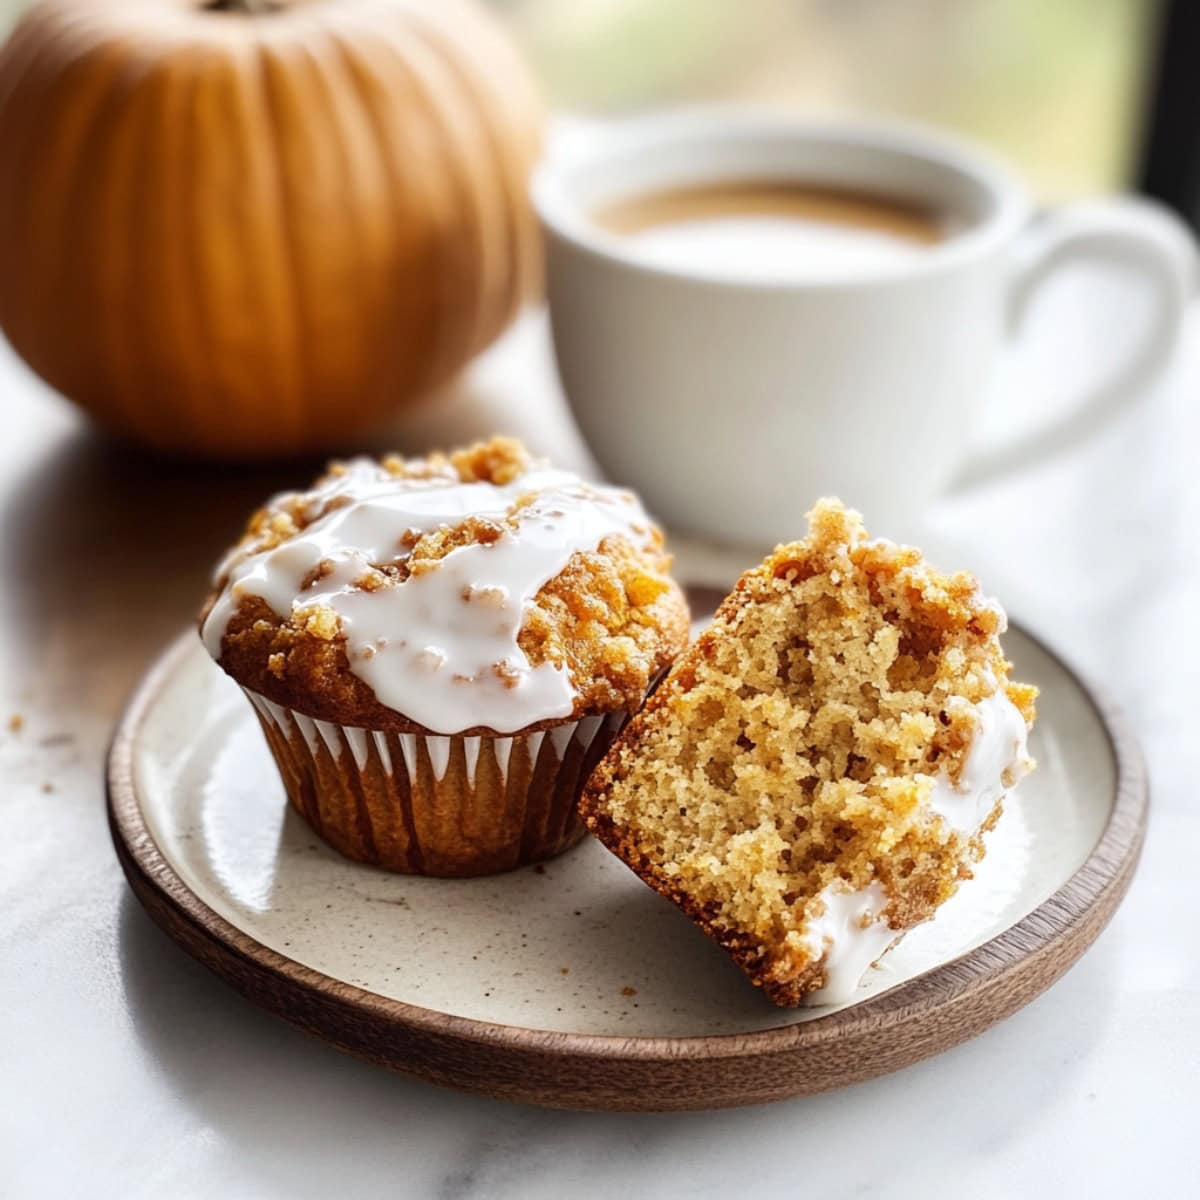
[{"x": 249, "y": 8}]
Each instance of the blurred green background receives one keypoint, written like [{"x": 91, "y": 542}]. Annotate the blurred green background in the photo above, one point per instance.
[{"x": 1057, "y": 85}]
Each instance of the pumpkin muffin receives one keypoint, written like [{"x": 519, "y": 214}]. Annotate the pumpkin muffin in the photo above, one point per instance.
[
  {"x": 816, "y": 774},
  {"x": 440, "y": 649}
]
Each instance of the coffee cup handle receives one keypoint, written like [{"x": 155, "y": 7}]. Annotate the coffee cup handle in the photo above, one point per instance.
[{"x": 1128, "y": 233}]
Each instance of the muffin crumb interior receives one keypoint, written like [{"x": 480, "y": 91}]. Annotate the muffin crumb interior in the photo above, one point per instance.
[{"x": 795, "y": 747}]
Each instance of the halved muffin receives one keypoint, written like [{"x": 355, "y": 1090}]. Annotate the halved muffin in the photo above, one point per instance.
[{"x": 815, "y": 775}]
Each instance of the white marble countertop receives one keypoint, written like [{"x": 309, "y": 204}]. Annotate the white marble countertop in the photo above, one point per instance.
[{"x": 128, "y": 1071}]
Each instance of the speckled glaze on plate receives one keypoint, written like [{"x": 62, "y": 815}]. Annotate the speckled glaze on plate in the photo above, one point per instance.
[{"x": 572, "y": 983}]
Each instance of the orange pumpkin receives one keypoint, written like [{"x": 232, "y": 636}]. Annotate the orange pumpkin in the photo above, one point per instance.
[{"x": 249, "y": 228}]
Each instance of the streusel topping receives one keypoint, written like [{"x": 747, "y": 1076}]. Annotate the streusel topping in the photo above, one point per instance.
[{"x": 478, "y": 590}]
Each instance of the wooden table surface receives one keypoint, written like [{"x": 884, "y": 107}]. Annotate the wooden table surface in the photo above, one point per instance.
[{"x": 128, "y": 1071}]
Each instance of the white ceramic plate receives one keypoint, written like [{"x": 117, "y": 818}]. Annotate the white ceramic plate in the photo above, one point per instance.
[{"x": 579, "y": 947}]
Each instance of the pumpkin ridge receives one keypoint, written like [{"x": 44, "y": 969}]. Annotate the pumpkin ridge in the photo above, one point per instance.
[
  {"x": 154, "y": 326},
  {"x": 98, "y": 299},
  {"x": 222, "y": 283},
  {"x": 487, "y": 282},
  {"x": 355, "y": 212},
  {"x": 409, "y": 137},
  {"x": 356, "y": 72},
  {"x": 135, "y": 327},
  {"x": 496, "y": 301},
  {"x": 202, "y": 341},
  {"x": 290, "y": 255},
  {"x": 261, "y": 335},
  {"x": 269, "y": 280},
  {"x": 521, "y": 113},
  {"x": 21, "y": 319},
  {"x": 460, "y": 141},
  {"x": 177, "y": 314},
  {"x": 446, "y": 265},
  {"x": 524, "y": 117}
]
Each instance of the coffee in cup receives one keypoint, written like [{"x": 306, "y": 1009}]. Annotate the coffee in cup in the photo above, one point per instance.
[
  {"x": 733, "y": 388},
  {"x": 774, "y": 228}
]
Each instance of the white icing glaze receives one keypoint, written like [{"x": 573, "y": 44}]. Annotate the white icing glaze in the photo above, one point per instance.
[
  {"x": 996, "y": 761},
  {"x": 852, "y": 934},
  {"x": 429, "y": 647}
]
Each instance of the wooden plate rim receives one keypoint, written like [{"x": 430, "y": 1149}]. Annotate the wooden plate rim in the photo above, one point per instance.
[{"x": 1058, "y": 927}]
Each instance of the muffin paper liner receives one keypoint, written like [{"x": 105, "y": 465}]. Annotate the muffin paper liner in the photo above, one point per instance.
[{"x": 426, "y": 804}]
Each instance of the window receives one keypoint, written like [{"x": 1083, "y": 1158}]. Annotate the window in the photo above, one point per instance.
[{"x": 1056, "y": 85}]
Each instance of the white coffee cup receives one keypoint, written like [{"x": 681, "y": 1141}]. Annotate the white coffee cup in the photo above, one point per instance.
[{"x": 731, "y": 403}]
